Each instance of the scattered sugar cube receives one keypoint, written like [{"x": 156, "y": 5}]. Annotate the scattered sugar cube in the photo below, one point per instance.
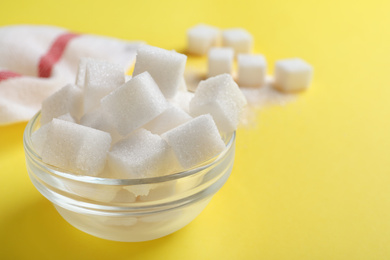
[
  {"x": 252, "y": 70},
  {"x": 238, "y": 39},
  {"x": 140, "y": 155},
  {"x": 135, "y": 103},
  {"x": 201, "y": 38},
  {"x": 182, "y": 100},
  {"x": 67, "y": 100},
  {"x": 292, "y": 75},
  {"x": 196, "y": 141},
  {"x": 76, "y": 148},
  {"x": 101, "y": 78},
  {"x": 166, "y": 67},
  {"x": 220, "y": 60},
  {"x": 221, "y": 97},
  {"x": 170, "y": 118}
]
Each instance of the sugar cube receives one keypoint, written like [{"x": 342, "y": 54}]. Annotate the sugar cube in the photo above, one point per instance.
[
  {"x": 140, "y": 155},
  {"x": 134, "y": 104},
  {"x": 182, "y": 100},
  {"x": 292, "y": 75},
  {"x": 239, "y": 39},
  {"x": 195, "y": 141},
  {"x": 252, "y": 70},
  {"x": 170, "y": 118},
  {"x": 67, "y": 100},
  {"x": 221, "y": 97},
  {"x": 166, "y": 67},
  {"x": 67, "y": 117},
  {"x": 100, "y": 120},
  {"x": 76, "y": 148},
  {"x": 201, "y": 38},
  {"x": 38, "y": 138},
  {"x": 220, "y": 60},
  {"x": 80, "y": 77},
  {"x": 101, "y": 78}
]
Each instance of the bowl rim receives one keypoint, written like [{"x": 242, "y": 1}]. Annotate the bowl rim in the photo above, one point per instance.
[{"x": 58, "y": 172}]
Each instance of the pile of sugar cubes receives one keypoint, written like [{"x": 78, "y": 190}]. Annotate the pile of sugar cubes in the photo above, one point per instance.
[
  {"x": 111, "y": 125},
  {"x": 290, "y": 75}
]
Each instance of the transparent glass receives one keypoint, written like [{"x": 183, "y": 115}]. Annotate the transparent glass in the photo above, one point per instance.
[{"x": 107, "y": 208}]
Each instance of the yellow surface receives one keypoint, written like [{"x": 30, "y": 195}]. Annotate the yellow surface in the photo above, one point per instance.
[{"x": 311, "y": 180}]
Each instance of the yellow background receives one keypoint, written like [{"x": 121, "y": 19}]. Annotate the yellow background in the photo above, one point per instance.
[{"x": 311, "y": 180}]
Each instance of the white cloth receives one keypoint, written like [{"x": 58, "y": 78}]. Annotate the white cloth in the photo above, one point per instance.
[{"x": 25, "y": 50}]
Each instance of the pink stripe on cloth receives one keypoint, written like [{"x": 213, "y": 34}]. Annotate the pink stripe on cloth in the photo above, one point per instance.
[
  {"x": 6, "y": 74},
  {"x": 47, "y": 61}
]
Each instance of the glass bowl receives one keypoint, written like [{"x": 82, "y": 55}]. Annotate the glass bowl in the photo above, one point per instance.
[{"x": 107, "y": 208}]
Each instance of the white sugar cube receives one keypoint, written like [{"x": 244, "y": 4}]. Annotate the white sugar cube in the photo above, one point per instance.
[
  {"x": 182, "y": 100},
  {"x": 76, "y": 148},
  {"x": 196, "y": 141},
  {"x": 134, "y": 104},
  {"x": 238, "y": 39},
  {"x": 170, "y": 118},
  {"x": 140, "y": 155},
  {"x": 292, "y": 75},
  {"x": 38, "y": 138},
  {"x": 166, "y": 67},
  {"x": 67, "y": 117},
  {"x": 80, "y": 77},
  {"x": 252, "y": 70},
  {"x": 99, "y": 119},
  {"x": 221, "y": 97},
  {"x": 101, "y": 78},
  {"x": 67, "y": 100},
  {"x": 201, "y": 38},
  {"x": 220, "y": 60}
]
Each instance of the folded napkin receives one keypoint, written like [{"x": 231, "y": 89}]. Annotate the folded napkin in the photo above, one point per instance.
[{"x": 36, "y": 61}]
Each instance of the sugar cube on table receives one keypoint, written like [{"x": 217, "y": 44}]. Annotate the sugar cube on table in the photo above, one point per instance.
[
  {"x": 195, "y": 141},
  {"x": 140, "y": 155},
  {"x": 170, "y": 118},
  {"x": 166, "y": 67},
  {"x": 76, "y": 148},
  {"x": 68, "y": 99},
  {"x": 220, "y": 60},
  {"x": 239, "y": 39},
  {"x": 292, "y": 75},
  {"x": 221, "y": 97},
  {"x": 101, "y": 77},
  {"x": 134, "y": 104},
  {"x": 201, "y": 38},
  {"x": 252, "y": 70}
]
